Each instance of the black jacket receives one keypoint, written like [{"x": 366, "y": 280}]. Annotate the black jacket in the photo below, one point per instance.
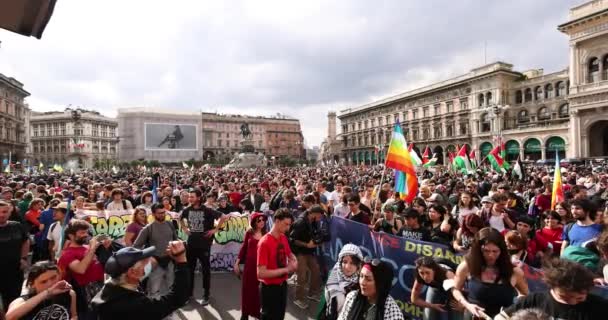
[{"x": 114, "y": 302}]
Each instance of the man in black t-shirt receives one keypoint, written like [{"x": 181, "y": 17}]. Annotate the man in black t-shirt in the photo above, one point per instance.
[
  {"x": 14, "y": 248},
  {"x": 412, "y": 229},
  {"x": 568, "y": 297},
  {"x": 303, "y": 243},
  {"x": 198, "y": 222}
]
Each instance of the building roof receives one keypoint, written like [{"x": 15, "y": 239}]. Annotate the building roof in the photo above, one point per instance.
[
  {"x": 484, "y": 70},
  {"x": 585, "y": 12},
  {"x": 137, "y": 110},
  {"x": 14, "y": 84}
]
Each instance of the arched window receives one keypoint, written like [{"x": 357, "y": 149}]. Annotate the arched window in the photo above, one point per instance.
[
  {"x": 437, "y": 131},
  {"x": 543, "y": 113},
  {"x": 486, "y": 123},
  {"x": 564, "y": 110},
  {"x": 480, "y": 99},
  {"x": 449, "y": 130},
  {"x": 528, "y": 95},
  {"x": 561, "y": 89},
  {"x": 523, "y": 116},
  {"x": 488, "y": 98},
  {"x": 538, "y": 93},
  {"x": 548, "y": 91},
  {"x": 593, "y": 68},
  {"x": 518, "y": 96}
]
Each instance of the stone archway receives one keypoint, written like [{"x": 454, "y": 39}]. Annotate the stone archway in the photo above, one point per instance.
[
  {"x": 598, "y": 139},
  {"x": 532, "y": 149},
  {"x": 208, "y": 156},
  {"x": 555, "y": 144}
]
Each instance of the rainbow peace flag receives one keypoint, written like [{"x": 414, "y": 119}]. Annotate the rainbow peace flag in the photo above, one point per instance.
[
  {"x": 557, "y": 194},
  {"x": 399, "y": 159}
]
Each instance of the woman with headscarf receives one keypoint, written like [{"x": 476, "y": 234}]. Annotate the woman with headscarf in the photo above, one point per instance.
[
  {"x": 343, "y": 278},
  {"x": 372, "y": 301}
]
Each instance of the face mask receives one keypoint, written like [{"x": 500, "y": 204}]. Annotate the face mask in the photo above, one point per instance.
[{"x": 147, "y": 270}]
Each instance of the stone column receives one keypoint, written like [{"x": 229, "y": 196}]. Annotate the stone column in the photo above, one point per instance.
[
  {"x": 575, "y": 135},
  {"x": 571, "y": 71},
  {"x": 521, "y": 153},
  {"x": 543, "y": 153}
]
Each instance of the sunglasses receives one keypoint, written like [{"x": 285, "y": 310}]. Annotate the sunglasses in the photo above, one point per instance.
[{"x": 374, "y": 262}]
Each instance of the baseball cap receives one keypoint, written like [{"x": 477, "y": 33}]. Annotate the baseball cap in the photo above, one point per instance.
[
  {"x": 125, "y": 258},
  {"x": 487, "y": 199}
]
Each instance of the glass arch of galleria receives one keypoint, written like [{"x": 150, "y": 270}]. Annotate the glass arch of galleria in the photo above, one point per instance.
[{"x": 529, "y": 148}]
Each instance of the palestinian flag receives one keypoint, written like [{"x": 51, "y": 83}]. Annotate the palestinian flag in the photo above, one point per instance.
[
  {"x": 425, "y": 155},
  {"x": 496, "y": 160},
  {"x": 415, "y": 158},
  {"x": 432, "y": 162},
  {"x": 461, "y": 161},
  {"x": 473, "y": 159},
  {"x": 503, "y": 154}
]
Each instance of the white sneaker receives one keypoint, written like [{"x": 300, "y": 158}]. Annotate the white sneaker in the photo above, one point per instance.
[{"x": 301, "y": 304}]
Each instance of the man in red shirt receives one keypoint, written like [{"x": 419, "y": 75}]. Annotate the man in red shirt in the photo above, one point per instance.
[
  {"x": 275, "y": 262},
  {"x": 78, "y": 263}
]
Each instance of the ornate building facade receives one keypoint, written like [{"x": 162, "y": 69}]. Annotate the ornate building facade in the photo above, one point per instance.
[
  {"x": 14, "y": 118},
  {"x": 277, "y": 137},
  {"x": 537, "y": 115},
  {"x": 73, "y": 134}
]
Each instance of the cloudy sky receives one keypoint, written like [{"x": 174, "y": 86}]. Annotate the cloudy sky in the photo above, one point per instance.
[{"x": 298, "y": 58}]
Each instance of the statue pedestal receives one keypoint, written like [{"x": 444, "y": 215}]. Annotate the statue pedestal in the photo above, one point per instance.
[{"x": 247, "y": 158}]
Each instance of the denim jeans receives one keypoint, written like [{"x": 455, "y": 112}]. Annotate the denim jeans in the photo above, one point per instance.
[
  {"x": 436, "y": 296},
  {"x": 160, "y": 281}
]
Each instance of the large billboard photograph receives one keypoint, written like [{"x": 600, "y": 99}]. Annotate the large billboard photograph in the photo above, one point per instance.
[{"x": 167, "y": 136}]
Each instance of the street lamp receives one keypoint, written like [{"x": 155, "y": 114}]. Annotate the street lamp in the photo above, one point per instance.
[{"x": 76, "y": 116}]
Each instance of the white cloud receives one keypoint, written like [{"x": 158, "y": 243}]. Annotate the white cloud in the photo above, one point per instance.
[{"x": 300, "y": 58}]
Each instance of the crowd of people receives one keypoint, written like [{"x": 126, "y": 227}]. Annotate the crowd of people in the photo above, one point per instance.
[{"x": 53, "y": 262}]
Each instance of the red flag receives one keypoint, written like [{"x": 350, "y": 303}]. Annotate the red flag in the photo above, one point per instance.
[
  {"x": 426, "y": 155},
  {"x": 472, "y": 154}
]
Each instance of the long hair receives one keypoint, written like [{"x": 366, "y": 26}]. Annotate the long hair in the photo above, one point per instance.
[
  {"x": 383, "y": 278},
  {"x": 461, "y": 204},
  {"x": 428, "y": 262},
  {"x": 476, "y": 262}
]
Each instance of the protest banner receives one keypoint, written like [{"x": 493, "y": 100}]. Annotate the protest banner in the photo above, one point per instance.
[
  {"x": 401, "y": 253},
  {"x": 224, "y": 250}
]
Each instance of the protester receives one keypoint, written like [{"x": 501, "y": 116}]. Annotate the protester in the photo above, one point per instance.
[
  {"x": 139, "y": 219},
  {"x": 412, "y": 229},
  {"x": 356, "y": 214},
  {"x": 568, "y": 296},
  {"x": 56, "y": 229},
  {"x": 14, "y": 246},
  {"x": 465, "y": 236},
  {"x": 250, "y": 293},
  {"x": 117, "y": 202},
  {"x": 275, "y": 262},
  {"x": 120, "y": 299},
  {"x": 442, "y": 227},
  {"x": 158, "y": 234},
  {"x": 438, "y": 303},
  {"x": 343, "y": 278},
  {"x": 464, "y": 207},
  {"x": 551, "y": 233},
  {"x": 199, "y": 223},
  {"x": 47, "y": 297},
  {"x": 303, "y": 244},
  {"x": 372, "y": 299},
  {"x": 79, "y": 265},
  {"x": 388, "y": 223},
  {"x": 493, "y": 281}
]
